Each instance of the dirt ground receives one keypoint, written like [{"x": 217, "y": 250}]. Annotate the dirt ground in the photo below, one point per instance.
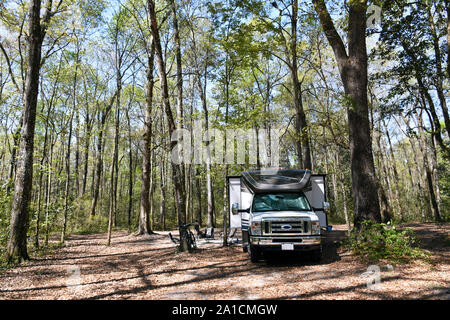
[{"x": 148, "y": 267}]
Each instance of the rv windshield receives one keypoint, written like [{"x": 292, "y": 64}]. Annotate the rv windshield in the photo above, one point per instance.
[{"x": 280, "y": 202}]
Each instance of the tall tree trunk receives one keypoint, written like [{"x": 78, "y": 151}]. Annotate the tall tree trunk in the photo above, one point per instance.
[
  {"x": 114, "y": 168},
  {"x": 447, "y": 7},
  {"x": 177, "y": 172},
  {"x": 41, "y": 174},
  {"x": 387, "y": 180},
  {"x": 428, "y": 171},
  {"x": 49, "y": 190},
  {"x": 130, "y": 171},
  {"x": 98, "y": 171},
  {"x": 144, "y": 223},
  {"x": 114, "y": 178},
  {"x": 198, "y": 186},
  {"x": 103, "y": 115},
  {"x": 353, "y": 70},
  {"x": 440, "y": 74},
  {"x": 179, "y": 109},
  {"x": 13, "y": 162},
  {"x": 422, "y": 195},
  {"x": 340, "y": 177},
  {"x": 302, "y": 143},
  {"x": 209, "y": 186},
  {"x": 434, "y": 166},
  {"x": 17, "y": 244},
  {"x": 74, "y": 110},
  {"x": 162, "y": 202},
  {"x": 87, "y": 140},
  {"x": 67, "y": 186},
  {"x": 179, "y": 66},
  {"x": 395, "y": 171}
]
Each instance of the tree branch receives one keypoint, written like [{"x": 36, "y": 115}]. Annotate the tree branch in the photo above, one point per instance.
[{"x": 330, "y": 31}]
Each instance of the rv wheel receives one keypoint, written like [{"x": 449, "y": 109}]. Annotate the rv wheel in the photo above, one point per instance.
[
  {"x": 255, "y": 254},
  {"x": 316, "y": 255}
]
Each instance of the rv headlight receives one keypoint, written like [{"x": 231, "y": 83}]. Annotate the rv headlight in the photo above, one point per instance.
[
  {"x": 256, "y": 227},
  {"x": 315, "y": 227}
]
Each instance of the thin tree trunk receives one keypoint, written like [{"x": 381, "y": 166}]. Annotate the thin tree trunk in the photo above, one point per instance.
[
  {"x": 395, "y": 172},
  {"x": 147, "y": 183},
  {"x": 49, "y": 190},
  {"x": 177, "y": 172},
  {"x": 198, "y": 186},
  {"x": 114, "y": 169},
  {"x": 67, "y": 186},
  {"x": 440, "y": 74},
  {"x": 162, "y": 202},
  {"x": 99, "y": 166},
  {"x": 130, "y": 171},
  {"x": 428, "y": 172},
  {"x": 340, "y": 177},
  {"x": 209, "y": 186}
]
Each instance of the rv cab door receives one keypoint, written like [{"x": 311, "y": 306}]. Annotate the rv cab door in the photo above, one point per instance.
[
  {"x": 234, "y": 197},
  {"x": 315, "y": 193}
]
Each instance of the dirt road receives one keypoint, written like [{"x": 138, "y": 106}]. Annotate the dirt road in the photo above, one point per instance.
[{"x": 148, "y": 267}]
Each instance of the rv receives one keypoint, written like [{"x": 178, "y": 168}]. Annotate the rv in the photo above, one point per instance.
[{"x": 278, "y": 210}]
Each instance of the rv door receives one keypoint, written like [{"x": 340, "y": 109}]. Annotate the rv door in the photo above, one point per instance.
[
  {"x": 315, "y": 193},
  {"x": 234, "y": 197}
]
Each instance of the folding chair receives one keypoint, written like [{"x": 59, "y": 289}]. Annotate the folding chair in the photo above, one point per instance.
[{"x": 209, "y": 233}]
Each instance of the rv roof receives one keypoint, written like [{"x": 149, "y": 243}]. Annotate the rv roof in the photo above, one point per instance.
[{"x": 276, "y": 180}]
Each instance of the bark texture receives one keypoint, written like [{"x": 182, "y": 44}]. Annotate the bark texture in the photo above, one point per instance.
[{"x": 353, "y": 71}]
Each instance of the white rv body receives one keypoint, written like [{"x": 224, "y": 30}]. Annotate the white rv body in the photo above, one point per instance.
[
  {"x": 280, "y": 230},
  {"x": 315, "y": 193}
]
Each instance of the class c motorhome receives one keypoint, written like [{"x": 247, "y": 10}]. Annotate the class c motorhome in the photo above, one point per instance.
[{"x": 278, "y": 210}]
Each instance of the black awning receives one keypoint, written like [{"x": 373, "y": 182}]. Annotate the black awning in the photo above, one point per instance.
[{"x": 273, "y": 180}]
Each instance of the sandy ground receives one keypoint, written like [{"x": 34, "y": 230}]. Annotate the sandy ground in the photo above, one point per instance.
[{"x": 148, "y": 267}]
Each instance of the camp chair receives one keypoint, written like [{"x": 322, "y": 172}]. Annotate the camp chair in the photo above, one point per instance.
[
  {"x": 200, "y": 233},
  {"x": 209, "y": 233},
  {"x": 233, "y": 235}
]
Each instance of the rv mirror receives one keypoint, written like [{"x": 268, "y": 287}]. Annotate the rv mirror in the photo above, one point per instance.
[
  {"x": 235, "y": 208},
  {"x": 326, "y": 205}
]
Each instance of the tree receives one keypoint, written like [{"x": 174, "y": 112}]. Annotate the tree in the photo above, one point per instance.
[
  {"x": 147, "y": 170},
  {"x": 17, "y": 245},
  {"x": 409, "y": 33},
  {"x": 354, "y": 75},
  {"x": 177, "y": 172}
]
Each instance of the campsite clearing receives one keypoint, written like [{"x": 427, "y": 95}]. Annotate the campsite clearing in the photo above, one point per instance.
[{"x": 148, "y": 267}]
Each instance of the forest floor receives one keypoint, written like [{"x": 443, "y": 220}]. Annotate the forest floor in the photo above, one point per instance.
[{"x": 148, "y": 267}]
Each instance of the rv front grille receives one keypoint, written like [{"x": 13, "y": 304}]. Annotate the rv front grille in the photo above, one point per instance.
[{"x": 284, "y": 227}]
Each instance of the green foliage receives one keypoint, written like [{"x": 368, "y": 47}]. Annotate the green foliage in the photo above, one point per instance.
[
  {"x": 90, "y": 225},
  {"x": 444, "y": 184},
  {"x": 5, "y": 209},
  {"x": 80, "y": 222},
  {"x": 385, "y": 241}
]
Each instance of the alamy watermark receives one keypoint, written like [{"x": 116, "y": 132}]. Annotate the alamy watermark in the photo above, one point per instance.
[
  {"x": 230, "y": 146},
  {"x": 73, "y": 280},
  {"x": 373, "y": 16},
  {"x": 373, "y": 275}
]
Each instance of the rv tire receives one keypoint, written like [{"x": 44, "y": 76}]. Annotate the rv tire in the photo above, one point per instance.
[
  {"x": 316, "y": 255},
  {"x": 255, "y": 254}
]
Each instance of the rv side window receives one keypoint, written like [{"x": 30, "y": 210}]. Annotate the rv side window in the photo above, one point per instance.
[{"x": 280, "y": 202}]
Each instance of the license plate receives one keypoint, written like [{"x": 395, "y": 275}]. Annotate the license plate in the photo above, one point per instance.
[{"x": 287, "y": 246}]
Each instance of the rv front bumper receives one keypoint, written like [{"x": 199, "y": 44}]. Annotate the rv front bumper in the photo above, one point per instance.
[{"x": 274, "y": 243}]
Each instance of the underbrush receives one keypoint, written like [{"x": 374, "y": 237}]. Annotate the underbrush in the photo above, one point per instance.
[
  {"x": 90, "y": 225},
  {"x": 5, "y": 209},
  {"x": 383, "y": 241}
]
